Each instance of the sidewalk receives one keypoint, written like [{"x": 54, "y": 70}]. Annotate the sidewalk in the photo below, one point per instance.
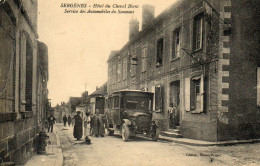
[
  {"x": 53, "y": 157},
  {"x": 193, "y": 142}
]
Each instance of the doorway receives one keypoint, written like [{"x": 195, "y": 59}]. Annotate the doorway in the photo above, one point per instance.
[{"x": 175, "y": 104}]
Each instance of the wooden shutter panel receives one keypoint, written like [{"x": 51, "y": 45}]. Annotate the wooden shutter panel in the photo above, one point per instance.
[
  {"x": 258, "y": 86},
  {"x": 202, "y": 93},
  {"x": 153, "y": 90},
  {"x": 187, "y": 94}
]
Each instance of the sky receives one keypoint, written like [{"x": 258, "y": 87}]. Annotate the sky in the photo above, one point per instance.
[{"x": 79, "y": 43}]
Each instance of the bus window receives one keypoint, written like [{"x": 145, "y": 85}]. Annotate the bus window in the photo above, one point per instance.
[{"x": 116, "y": 102}]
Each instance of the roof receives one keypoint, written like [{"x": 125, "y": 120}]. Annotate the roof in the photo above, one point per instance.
[
  {"x": 140, "y": 91},
  {"x": 112, "y": 54},
  {"x": 100, "y": 91}
]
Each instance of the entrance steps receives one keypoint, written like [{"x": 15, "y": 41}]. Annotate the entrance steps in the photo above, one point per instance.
[{"x": 175, "y": 133}]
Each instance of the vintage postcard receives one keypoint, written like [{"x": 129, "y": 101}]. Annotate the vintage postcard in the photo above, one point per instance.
[{"x": 129, "y": 82}]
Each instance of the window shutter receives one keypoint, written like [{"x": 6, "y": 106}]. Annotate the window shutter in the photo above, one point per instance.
[
  {"x": 153, "y": 90},
  {"x": 258, "y": 86},
  {"x": 187, "y": 94},
  {"x": 202, "y": 93},
  {"x": 158, "y": 98}
]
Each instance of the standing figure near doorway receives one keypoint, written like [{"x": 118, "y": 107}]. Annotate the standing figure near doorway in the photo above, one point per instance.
[{"x": 171, "y": 116}]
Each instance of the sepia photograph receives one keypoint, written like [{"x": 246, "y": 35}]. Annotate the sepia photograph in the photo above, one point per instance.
[{"x": 130, "y": 82}]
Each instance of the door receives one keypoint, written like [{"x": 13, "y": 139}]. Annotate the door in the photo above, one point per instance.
[
  {"x": 115, "y": 111},
  {"x": 175, "y": 102}
]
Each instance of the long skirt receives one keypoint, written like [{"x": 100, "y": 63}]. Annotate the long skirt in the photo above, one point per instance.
[{"x": 77, "y": 132}]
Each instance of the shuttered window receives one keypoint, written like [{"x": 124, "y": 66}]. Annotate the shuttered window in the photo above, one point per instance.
[
  {"x": 29, "y": 74},
  {"x": 158, "y": 98},
  {"x": 194, "y": 94}
]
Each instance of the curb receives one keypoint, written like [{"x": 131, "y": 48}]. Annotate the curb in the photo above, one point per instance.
[
  {"x": 60, "y": 154},
  {"x": 205, "y": 143}
]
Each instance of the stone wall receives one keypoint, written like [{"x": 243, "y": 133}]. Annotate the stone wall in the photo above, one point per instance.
[{"x": 17, "y": 140}]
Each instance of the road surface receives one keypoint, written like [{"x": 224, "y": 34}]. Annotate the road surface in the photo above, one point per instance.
[{"x": 112, "y": 151}]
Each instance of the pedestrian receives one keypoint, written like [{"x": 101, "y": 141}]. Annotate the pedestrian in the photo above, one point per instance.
[
  {"x": 98, "y": 124},
  {"x": 65, "y": 120},
  {"x": 171, "y": 116},
  {"x": 87, "y": 124},
  {"x": 69, "y": 120},
  {"x": 77, "y": 132},
  {"x": 91, "y": 124},
  {"x": 51, "y": 121}
]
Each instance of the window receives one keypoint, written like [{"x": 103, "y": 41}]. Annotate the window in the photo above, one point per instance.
[
  {"x": 29, "y": 74},
  {"x": 159, "y": 57},
  {"x": 114, "y": 73},
  {"x": 198, "y": 32},
  {"x": 144, "y": 59},
  {"x": 124, "y": 68},
  {"x": 133, "y": 69},
  {"x": 119, "y": 68},
  {"x": 131, "y": 104},
  {"x": 258, "y": 86},
  {"x": 158, "y": 98},
  {"x": 176, "y": 44},
  {"x": 116, "y": 102},
  {"x": 7, "y": 62},
  {"x": 197, "y": 94}
]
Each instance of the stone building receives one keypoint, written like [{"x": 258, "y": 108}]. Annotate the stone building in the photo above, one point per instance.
[
  {"x": 23, "y": 80},
  {"x": 202, "y": 58}
]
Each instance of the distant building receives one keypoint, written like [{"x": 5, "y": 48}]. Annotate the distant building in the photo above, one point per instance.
[
  {"x": 23, "y": 80},
  {"x": 72, "y": 103},
  {"x": 202, "y": 57},
  {"x": 97, "y": 99}
]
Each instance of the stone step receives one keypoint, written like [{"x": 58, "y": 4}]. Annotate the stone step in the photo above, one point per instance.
[
  {"x": 177, "y": 127},
  {"x": 171, "y": 134},
  {"x": 174, "y": 130}
]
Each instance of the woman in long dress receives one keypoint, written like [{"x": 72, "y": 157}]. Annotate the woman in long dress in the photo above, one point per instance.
[{"x": 77, "y": 132}]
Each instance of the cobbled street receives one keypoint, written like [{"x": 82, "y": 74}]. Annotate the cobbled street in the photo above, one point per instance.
[{"x": 112, "y": 151}]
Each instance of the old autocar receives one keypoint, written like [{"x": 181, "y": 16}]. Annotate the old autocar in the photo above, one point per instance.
[{"x": 130, "y": 113}]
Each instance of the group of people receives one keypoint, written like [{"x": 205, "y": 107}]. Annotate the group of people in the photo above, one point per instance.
[
  {"x": 69, "y": 120},
  {"x": 93, "y": 124}
]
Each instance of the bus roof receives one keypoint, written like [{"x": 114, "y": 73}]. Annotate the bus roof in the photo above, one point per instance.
[{"x": 126, "y": 91}]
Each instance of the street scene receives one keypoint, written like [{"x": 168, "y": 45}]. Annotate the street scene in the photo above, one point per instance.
[{"x": 129, "y": 83}]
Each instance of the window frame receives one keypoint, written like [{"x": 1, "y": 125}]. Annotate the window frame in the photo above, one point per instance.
[
  {"x": 198, "y": 31},
  {"x": 194, "y": 82},
  {"x": 175, "y": 50},
  {"x": 159, "y": 52},
  {"x": 144, "y": 60}
]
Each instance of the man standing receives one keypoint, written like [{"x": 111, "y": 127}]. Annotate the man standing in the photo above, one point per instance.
[
  {"x": 65, "y": 120},
  {"x": 51, "y": 121},
  {"x": 171, "y": 116},
  {"x": 98, "y": 124},
  {"x": 77, "y": 132}
]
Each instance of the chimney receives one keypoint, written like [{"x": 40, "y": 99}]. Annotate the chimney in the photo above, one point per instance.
[
  {"x": 133, "y": 28},
  {"x": 147, "y": 15}
]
